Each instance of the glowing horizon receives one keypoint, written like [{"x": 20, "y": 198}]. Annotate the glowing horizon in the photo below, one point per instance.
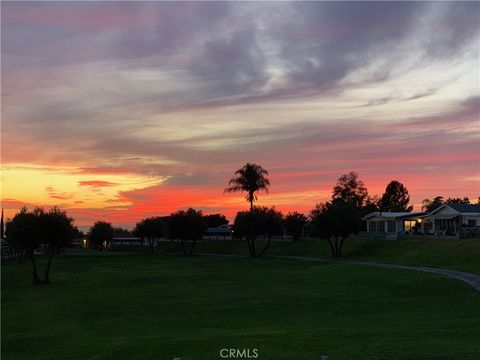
[{"x": 119, "y": 111}]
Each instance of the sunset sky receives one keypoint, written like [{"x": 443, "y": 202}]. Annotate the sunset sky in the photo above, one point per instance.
[{"x": 121, "y": 110}]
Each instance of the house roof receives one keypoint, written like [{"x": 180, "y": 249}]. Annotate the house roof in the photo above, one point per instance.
[
  {"x": 392, "y": 215},
  {"x": 465, "y": 208},
  {"x": 458, "y": 208},
  {"x": 220, "y": 229}
]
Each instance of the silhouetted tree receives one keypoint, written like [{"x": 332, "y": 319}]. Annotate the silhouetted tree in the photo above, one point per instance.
[
  {"x": 215, "y": 220},
  {"x": 151, "y": 228},
  {"x": 186, "y": 225},
  {"x": 430, "y": 205},
  {"x": 395, "y": 198},
  {"x": 274, "y": 223},
  {"x": 251, "y": 178},
  {"x": 335, "y": 221},
  {"x": 57, "y": 232},
  {"x": 350, "y": 189},
  {"x": 371, "y": 205},
  {"x": 458, "y": 200},
  {"x": 23, "y": 233},
  {"x": 118, "y": 231},
  {"x": 78, "y": 233},
  {"x": 28, "y": 229},
  {"x": 100, "y": 234},
  {"x": 294, "y": 223},
  {"x": 259, "y": 221}
]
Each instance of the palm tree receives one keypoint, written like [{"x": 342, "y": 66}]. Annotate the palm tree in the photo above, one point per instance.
[{"x": 250, "y": 178}]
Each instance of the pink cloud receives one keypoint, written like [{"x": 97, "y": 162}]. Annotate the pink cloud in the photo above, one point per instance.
[
  {"x": 96, "y": 183},
  {"x": 52, "y": 193}
]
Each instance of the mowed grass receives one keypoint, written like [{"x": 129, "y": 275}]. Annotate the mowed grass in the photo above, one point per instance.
[
  {"x": 457, "y": 254},
  {"x": 134, "y": 306}
]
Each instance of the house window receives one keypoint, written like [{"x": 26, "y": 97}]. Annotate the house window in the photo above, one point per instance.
[
  {"x": 372, "y": 226},
  {"x": 409, "y": 225},
  {"x": 472, "y": 222},
  {"x": 391, "y": 226}
]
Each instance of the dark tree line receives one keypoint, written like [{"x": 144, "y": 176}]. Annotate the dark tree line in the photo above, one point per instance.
[
  {"x": 429, "y": 205},
  {"x": 333, "y": 220},
  {"x": 187, "y": 226}
]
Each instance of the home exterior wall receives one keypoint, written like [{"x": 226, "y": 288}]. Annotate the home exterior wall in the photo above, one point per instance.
[
  {"x": 446, "y": 211},
  {"x": 448, "y": 221},
  {"x": 378, "y": 226},
  {"x": 381, "y": 229},
  {"x": 465, "y": 219}
]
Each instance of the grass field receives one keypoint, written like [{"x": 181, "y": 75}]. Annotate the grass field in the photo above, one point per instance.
[
  {"x": 458, "y": 254},
  {"x": 134, "y": 306}
]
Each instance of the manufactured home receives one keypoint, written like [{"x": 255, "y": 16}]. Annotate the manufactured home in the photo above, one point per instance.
[
  {"x": 388, "y": 225},
  {"x": 461, "y": 220}
]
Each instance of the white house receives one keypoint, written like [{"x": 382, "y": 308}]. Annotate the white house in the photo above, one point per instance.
[
  {"x": 389, "y": 225},
  {"x": 223, "y": 232},
  {"x": 454, "y": 220},
  {"x": 128, "y": 241}
]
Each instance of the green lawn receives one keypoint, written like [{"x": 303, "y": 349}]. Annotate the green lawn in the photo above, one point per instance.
[
  {"x": 458, "y": 254},
  {"x": 135, "y": 306}
]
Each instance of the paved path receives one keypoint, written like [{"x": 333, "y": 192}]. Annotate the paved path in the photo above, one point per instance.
[{"x": 471, "y": 279}]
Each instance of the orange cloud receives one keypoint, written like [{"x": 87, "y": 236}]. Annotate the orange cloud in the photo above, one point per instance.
[{"x": 96, "y": 183}]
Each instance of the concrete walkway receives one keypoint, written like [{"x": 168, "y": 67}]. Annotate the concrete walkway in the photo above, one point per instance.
[{"x": 471, "y": 279}]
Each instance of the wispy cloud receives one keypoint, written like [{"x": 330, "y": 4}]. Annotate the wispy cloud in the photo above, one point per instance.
[
  {"x": 173, "y": 97},
  {"x": 96, "y": 183}
]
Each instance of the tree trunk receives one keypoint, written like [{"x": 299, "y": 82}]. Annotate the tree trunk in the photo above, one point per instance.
[
  {"x": 46, "y": 278},
  {"x": 191, "y": 248},
  {"x": 251, "y": 246},
  {"x": 183, "y": 247},
  {"x": 331, "y": 246},
  {"x": 340, "y": 247},
  {"x": 266, "y": 247},
  {"x": 151, "y": 243},
  {"x": 36, "y": 279},
  {"x": 21, "y": 256},
  {"x": 336, "y": 246}
]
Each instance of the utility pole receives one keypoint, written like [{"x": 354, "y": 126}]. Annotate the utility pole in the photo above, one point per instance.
[{"x": 1, "y": 227}]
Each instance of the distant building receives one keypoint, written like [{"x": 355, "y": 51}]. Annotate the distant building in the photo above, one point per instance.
[
  {"x": 454, "y": 220},
  {"x": 78, "y": 243},
  {"x": 448, "y": 220},
  {"x": 223, "y": 232},
  {"x": 128, "y": 241},
  {"x": 388, "y": 225}
]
